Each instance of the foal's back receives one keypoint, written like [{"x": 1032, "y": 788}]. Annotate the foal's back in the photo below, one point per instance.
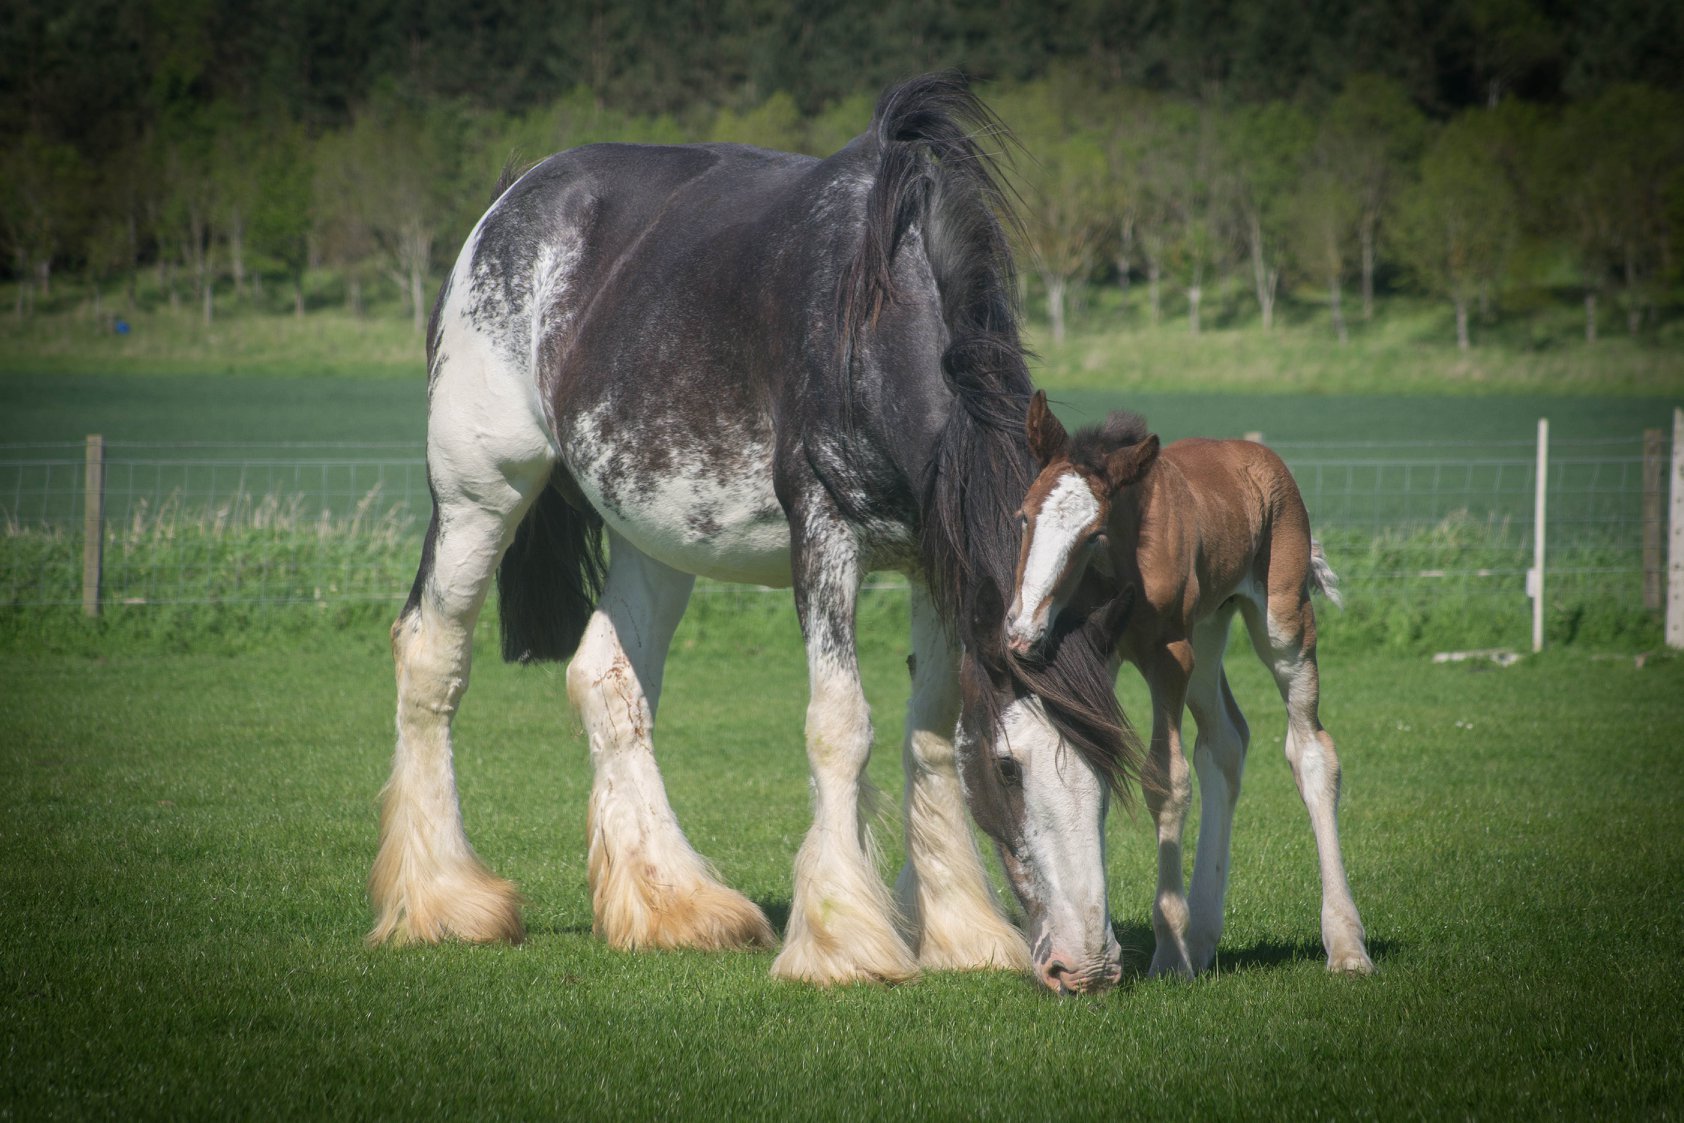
[{"x": 1210, "y": 519}]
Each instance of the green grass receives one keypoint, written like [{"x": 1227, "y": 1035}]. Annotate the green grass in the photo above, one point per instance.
[
  {"x": 1534, "y": 346},
  {"x": 185, "y": 839},
  {"x": 1537, "y": 347}
]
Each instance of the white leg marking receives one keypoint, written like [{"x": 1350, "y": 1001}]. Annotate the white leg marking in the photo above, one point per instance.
[
  {"x": 842, "y": 924},
  {"x": 943, "y": 891},
  {"x": 649, "y": 887},
  {"x": 1219, "y": 759},
  {"x": 1315, "y": 768}
]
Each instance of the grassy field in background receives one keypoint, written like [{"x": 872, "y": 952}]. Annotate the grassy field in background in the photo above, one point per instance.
[
  {"x": 1537, "y": 347},
  {"x": 186, "y": 839}
]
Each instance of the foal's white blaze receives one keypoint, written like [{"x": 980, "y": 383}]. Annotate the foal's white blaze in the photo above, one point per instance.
[
  {"x": 1069, "y": 511},
  {"x": 1063, "y": 834}
]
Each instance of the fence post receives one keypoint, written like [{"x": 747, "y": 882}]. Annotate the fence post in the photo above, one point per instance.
[
  {"x": 1675, "y": 548},
  {"x": 93, "y": 524},
  {"x": 1652, "y": 461},
  {"x": 1535, "y": 576}
]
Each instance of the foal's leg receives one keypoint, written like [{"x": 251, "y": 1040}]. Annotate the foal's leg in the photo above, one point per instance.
[
  {"x": 1285, "y": 638},
  {"x": 1219, "y": 761},
  {"x": 841, "y": 922},
  {"x": 1168, "y": 793},
  {"x": 942, "y": 891},
  {"x": 427, "y": 883},
  {"x": 649, "y": 887}
]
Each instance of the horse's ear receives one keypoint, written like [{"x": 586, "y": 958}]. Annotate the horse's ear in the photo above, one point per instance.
[
  {"x": 1047, "y": 437},
  {"x": 1106, "y": 622},
  {"x": 1127, "y": 464},
  {"x": 987, "y": 638}
]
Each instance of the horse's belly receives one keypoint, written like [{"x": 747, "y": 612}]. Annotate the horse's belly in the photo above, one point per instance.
[{"x": 717, "y": 520}]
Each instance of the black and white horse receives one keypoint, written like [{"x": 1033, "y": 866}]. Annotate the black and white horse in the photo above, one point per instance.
[{"x": 758, "y": 367}]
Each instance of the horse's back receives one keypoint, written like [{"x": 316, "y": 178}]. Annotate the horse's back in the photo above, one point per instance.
[{"x": 1223, "y": 518}]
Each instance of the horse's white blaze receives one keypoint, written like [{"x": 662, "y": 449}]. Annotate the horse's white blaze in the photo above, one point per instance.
[
  {"x": 727, "y": 527},
  {"x": 1069, "y": 511},
  {"x": 1064, "y": 833}
]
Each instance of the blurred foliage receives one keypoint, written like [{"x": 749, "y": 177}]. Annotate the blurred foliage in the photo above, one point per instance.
[{"x": 1478, "y": 152}]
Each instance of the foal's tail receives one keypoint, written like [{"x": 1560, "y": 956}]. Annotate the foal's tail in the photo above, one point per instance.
[
  {"x": 1322, "y": 579},
  {"x": 550, "y": 578}
]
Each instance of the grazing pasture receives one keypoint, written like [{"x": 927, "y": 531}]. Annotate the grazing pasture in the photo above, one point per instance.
[{"x": 185, "y": 839}]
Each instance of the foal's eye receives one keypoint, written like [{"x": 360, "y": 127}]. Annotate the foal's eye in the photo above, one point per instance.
[
  {"x": 1097, "y": 538},
  {"x": 1011, "y": 772}
]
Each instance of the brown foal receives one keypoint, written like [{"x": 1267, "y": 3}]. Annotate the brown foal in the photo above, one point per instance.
[{"x": 1203, "y": 529}]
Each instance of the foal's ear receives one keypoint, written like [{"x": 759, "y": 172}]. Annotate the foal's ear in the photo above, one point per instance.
[
  {"x": 1047, "y": 437},
  {"x": 1127, "y": 464}
]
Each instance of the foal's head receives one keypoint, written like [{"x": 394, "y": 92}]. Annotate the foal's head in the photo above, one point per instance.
[{"x": 1065, "y": 514}]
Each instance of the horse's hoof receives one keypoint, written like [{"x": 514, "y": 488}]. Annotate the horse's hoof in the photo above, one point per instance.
[{"x": 1351, "y": 963}]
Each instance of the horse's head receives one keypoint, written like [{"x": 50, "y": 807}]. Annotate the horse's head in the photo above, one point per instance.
[
  {"x": 1066, "y": 512},
  {"x": 1041, "y": 796}
]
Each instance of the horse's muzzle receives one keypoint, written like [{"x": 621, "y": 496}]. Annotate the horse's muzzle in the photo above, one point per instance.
[{"x": 1094, "y": 978}]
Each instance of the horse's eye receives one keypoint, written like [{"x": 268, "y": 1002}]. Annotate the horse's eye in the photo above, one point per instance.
[
  {"x": 1011, "y": 772},
  {"x": 1022, "y": 520},
  {"x": 1097, "y": 538}
]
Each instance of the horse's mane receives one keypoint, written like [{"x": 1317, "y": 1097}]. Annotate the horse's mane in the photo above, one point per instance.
[
  {"x": 1091, "y": 444},
  {"x": 939, "y": 150}
]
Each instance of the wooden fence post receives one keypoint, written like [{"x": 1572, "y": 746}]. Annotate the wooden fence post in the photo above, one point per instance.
[
  {"x": 1652, "y": 475},
  {"x": 1675, "y": 548},
  {"x": 93, "y": 524}
]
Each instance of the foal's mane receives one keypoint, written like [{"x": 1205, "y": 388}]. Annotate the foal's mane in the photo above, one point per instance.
[
  {"x": 939, "y": 150},
  {"x": 1091, "y": 444}
]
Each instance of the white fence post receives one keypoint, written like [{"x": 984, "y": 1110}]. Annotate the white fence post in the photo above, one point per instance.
[
  {"x": 1535, "y": 576},
  {"x": 93, "y": 523},
  {"x": 1675, "y": 544}
]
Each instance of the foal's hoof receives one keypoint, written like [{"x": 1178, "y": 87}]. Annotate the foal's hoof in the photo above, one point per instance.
[{"x": 1351, "y": 963}]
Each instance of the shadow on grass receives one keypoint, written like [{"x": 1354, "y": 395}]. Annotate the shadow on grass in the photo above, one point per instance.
[{"x": 1138, "y": 944}]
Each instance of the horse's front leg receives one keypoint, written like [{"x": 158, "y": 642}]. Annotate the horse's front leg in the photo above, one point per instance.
[
  {"x": 1169, "y": 791},
  {"x": 942, "y": 891},
  {"x": 842, "y": 922}
]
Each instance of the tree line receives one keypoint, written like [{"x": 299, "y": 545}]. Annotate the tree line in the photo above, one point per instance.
[{"x": 233, "y": 150}]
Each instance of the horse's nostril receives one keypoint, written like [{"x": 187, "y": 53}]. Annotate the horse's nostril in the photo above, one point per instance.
[{"x": 1057, "y": 976}]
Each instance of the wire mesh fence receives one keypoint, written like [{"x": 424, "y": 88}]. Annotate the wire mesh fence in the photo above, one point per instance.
[{"x": 1426, "y": 536}]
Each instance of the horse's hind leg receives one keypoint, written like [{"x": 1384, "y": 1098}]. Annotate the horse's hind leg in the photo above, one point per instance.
[
  {"x": 942, "y": 890},
  {"x": 427, "y": 883},
  {"x": 1285, "y": 638},
  {"x": 841, "y": 921},
  {"x": 1219, "y": 762},
  {"x": 649, "y": 887}
]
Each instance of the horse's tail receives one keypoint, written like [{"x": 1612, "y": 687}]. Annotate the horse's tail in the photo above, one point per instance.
[
  {"x": 550, "y": 578},
  {"x": 1321, "y": 578}
]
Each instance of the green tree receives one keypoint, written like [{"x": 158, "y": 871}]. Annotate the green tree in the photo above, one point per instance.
[
  {"x": 1457, "y": 224},
  {"x": 1263, "y": 151},
  {"x": 1059, "y": 183},
  {"x": 1322, "y": 225},
  {"x": 1617, "y": 163},
  {"x": 1369, "y": 137},
  {"x": 280, "y": 206},
  {"x": 775, "y": 123},
  {"x": 42, "y": 198}
]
